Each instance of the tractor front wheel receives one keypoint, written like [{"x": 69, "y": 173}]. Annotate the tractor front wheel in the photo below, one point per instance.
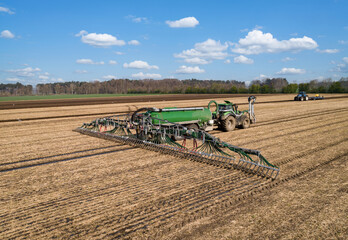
[{"x": 228, "y": 124}]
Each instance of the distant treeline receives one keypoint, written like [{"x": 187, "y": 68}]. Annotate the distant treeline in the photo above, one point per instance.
[{"x": 124, "y": 86}]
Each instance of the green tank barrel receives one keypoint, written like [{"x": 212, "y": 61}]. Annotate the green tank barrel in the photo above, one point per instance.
[{"x": 182, "y": 115}]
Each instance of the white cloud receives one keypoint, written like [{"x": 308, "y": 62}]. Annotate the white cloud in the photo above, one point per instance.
[
  {"x": 6, "y": 10},
  {"x": 228, "y": 61},
  {"x": 134, "y": 42},
  {"x": 196, "y": 60},
  {"x": 142, "y": 75},
  {"x": 137, "y": 19},
  {"x": 209, "y": 49},
  {"x": 25, "y": 72},
  {"x": 139, "y": 65},
  {"x": 112, "y": 62},
  {"x": 328, "y": 51},
  {"x": 7, "y": 34},
  {"x": 99, "y": 40},
  {"x": 257, "y": 42},
  {"x": 287, "y": 59},
  {"x": 57, "y": 80},
  {"x": 109, "y": 77},
  {"x": 342, "y": 67},
  {"x": 13, "y": 79},
  {"x": 80, "y": 71},
  {"x": 44, "y": 77},
  {"x": 243, "y": 59},
  {"x": 88, "y": 61},
  {"x": 188, "y": 70},
  {"x": 291, "y": 71},
  {"x": 342, "y": 42},
  {"x": 187, "y": 22},
  {"x": 82, "y": 32},
  {"x": 119, "y": 53}
]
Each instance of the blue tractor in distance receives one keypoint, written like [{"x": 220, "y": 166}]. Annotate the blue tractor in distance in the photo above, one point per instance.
[{"x": 302, "y": 96}]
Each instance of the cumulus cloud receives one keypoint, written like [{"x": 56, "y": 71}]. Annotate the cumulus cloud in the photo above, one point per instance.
[
  {"x": 25, "y": 72},
  {"x": 142, "y": 75},
  {"x": 243, "y": 59},
  {"x": 134, "y": 42},
  {"x": 109, "y": 77},
  {"x": 208, "y": 50},
  {"x": 88, "y": 61},
  {"x": 139, "y": 65},
  {"x": 328, "y": 50},
  {"x": 6, "y": 10},
  {"x": 196, "y": 60},
  {"x": 188, "y": 22},
  {"x": 227, "y": 61},
  {"x": 287, "y": 59},
  {"x": 112, "y": 62},
  {"x": 99, "y": 39},
  {"x": 119, "y": 53},
  {"x": 342, "y": 42},
  {"x": 189, "y": 70},
  {"x": 291, "y": 71},
  {"x": 257, "y": 42},
  {"x": 7, "y": 34}
]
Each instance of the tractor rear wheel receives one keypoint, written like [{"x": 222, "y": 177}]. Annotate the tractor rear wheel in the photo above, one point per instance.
[
  {"x": 246, "y": 123},
  {"x": 228, "y": 124}
]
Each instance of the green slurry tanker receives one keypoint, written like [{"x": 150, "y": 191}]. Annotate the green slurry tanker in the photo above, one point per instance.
[{"x": 224, "y": 115}]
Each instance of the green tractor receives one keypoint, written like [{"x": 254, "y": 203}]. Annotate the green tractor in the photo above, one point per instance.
[{"x": 225, "y": 115}]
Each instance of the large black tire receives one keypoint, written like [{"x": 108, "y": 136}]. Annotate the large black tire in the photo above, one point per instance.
[
  {"x": 193, "y": 126},
  {"x": 228, "y": 124},
  {"x": 246, "y": 123}
]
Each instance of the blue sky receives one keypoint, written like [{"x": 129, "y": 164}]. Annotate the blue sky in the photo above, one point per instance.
[{"x": 54, "y": 41}]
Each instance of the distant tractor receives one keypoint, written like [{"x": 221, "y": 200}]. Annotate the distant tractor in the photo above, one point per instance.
[{"x": 302, "y": 96}]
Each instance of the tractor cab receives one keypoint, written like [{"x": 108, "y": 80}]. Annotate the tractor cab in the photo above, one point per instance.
[{"x": 227, "y": 107}]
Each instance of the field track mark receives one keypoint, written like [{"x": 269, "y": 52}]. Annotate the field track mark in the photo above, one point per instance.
[
  {"x": 252, "y": 187},
  {"x": 319, "y": 113},
  {"x": 58, "y": 155},
  {"x": 223, "y": 203},
  {"x": 78, "y": 201},
  {"x": 298, "y": 131},
  {"x": 196, "y": 211},
  {"x": 74, "y": 135},
  {"x": 180, "y": 199},
  {"x": 63, "y": 160}
]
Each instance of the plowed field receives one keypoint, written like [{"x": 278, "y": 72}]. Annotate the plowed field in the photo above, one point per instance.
[{"x": 56, "y": 183}]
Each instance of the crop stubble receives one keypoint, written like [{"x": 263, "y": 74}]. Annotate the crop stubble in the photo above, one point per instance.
[{"x": 59, "y": 183}]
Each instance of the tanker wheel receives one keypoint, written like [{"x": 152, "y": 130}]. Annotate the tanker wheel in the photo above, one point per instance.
[
  {"x": 193, "y": 126},
  {"x": 228, "y": 124},
  {"x": 246, "y": 123}
]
